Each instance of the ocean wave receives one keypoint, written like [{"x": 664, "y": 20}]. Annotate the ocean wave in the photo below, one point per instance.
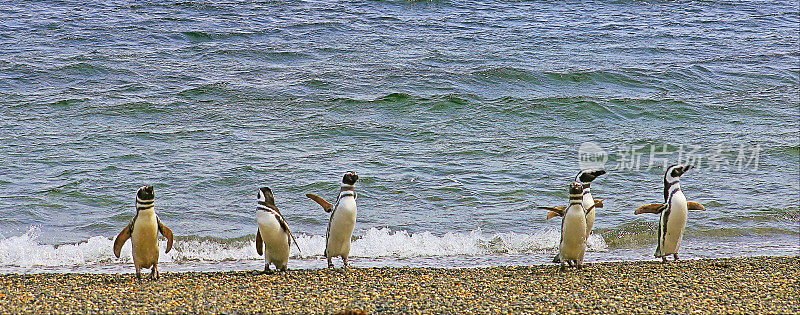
[
  {"x": 509, "y": 74},
  {"x": 583, "y": 108},
  {"x": 91, "y": 68},
  {"x": 128, "y": 109},
  {"x": 634, "y": 234},
  {"x": 26, "y": 251}
]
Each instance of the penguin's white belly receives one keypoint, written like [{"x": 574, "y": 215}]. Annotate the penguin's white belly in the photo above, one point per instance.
[
  {"x": 588, "y": 202},
  {"x": 676, "y": 224},
  {"x": 276, "y": 241},
  {"x": 573, "y": 234},
  {"x": 144, "y": 239},
  {"x": 341, "y": 228}
]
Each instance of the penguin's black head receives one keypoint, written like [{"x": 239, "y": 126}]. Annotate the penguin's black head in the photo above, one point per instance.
[
  {"x": 265, "y": 196},
  {"x": 576, "y": 189},
  {"x": 145, "y": 193},
  {"x": 675, "y": 172},
  {"x": 350, "y": 178},
  {"x": 587, "y": 176}
]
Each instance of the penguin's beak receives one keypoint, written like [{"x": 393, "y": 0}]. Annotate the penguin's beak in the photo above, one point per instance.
[
  {"x": 598, "y": 173},
  {"x": 681, "y": 170}
]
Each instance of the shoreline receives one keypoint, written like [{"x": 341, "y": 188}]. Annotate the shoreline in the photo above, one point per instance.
[{"x": 741, "y": 285}]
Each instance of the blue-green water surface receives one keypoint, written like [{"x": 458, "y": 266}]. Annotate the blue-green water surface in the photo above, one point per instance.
[{"x": 461, "y": 117}]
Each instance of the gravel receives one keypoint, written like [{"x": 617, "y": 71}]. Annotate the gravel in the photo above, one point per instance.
[{"x": 730, "y": 285}]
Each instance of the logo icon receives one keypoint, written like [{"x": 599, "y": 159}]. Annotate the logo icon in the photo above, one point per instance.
[{"x": 592, "y": 156}]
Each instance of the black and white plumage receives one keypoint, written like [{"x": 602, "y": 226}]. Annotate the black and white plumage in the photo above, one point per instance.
[
  {"x": 674, "y": 213},
  {"x": 572, "y": 246},
  {"x": 342, "y": 220},
  {"x": 143, "y": 231},
  {"x": 585, "y": 177},
  {"x": 273, "y": 238}
]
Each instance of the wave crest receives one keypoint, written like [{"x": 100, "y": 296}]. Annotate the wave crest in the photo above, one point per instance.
[{"x": 26, "y": 252}]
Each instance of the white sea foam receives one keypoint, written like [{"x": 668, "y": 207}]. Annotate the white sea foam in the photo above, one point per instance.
[{"x": 26, "y": 251}]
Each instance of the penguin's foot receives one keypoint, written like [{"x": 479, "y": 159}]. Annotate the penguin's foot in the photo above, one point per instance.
[
  {"x": 330, "y": 264},
  {"x": 154, "y": 272},
  {"x": 664, "y": 259},
  {"x": 675, "y": 256},
  {"x": 563, "y": 266}
]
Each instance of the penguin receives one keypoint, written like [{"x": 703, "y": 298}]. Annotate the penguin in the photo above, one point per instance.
[
  {"x": 674, "y": 213},
  {"x": 143, "y": 231},
  {"x": 273, "y": 233},
  {"x": 585, "y": 177},
  {"x": 573, "y": 229},
  {"x": 342, "y": 221}
]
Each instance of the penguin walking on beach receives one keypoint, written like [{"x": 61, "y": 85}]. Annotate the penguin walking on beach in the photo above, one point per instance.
[
  {"x": 342, "y": 221},
  {"x": 585, "y": 178},
  {"x": 572, "y": 246},
  {"x": 143, "y": 231},
  {"x": 273, "y": 238},
  {"x": 674, "y": 213}
]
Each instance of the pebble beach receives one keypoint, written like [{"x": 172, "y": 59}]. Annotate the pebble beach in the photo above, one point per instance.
[{"x": 727, "y": 285}]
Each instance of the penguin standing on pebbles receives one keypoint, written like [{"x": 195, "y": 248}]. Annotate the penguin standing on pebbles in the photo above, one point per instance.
[
  {"x": 343, "y": 220},
  {"x": 585, "y": 178},
  {"x": 273, "y": 233},
  {"x": 674, "y": 213},
  {"x": 573, "y": 229},
  {"x": 143, "y": 231}
]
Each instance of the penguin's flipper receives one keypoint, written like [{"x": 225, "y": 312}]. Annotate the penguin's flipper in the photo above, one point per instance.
[
  {"x": 553, "y": 211},
  {"x": 167, "y": 233},
  {"x": 259, "y": 243},
  {"x": 598, "y": 203},
  {"x": 560, "y": 210},
  {"x": 691, "y": 205},
  {"x": 285, "y": 227},
  {"x": 651, "y": 208},
  {"x": 295, "y": 241},
  {"x": 327, "y": 206},
  {"x": 121, "y": 239},
  {"x": 586, "y": 211}
]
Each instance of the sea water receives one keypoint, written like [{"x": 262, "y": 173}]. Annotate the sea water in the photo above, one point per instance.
[{"x": 460, "y": 117}]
